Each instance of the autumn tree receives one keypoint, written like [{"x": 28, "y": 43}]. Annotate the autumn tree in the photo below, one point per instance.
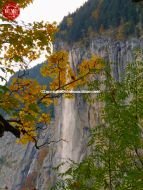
[{"x": 21, "y": 101}]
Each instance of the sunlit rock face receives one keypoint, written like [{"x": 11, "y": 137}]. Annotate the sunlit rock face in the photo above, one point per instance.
[
  {"x": 24, "y": 167},
  {"x": 118, "y": 52}
]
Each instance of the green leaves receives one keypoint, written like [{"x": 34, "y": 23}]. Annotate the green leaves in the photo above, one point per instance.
[
  {"x": 3, "y": 89},
  {"x": 33, "y": 107},
  {"x": 116, "y": 160}
]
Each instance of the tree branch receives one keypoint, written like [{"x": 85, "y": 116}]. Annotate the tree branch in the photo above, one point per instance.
[
  {"x": 5, "y": 126},
  {"x": 67, "y": 84}
]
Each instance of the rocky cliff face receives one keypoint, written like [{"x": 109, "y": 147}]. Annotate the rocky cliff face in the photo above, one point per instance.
[{"x": 24, "y": 167}]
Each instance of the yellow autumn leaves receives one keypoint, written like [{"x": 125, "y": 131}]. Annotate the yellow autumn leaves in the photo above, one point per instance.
[
  {"x": 22, "y": 99},
  {"x": 58, "y": 68},
  {"x": 29, "y": 41},
  {"x": 26, "y": 92},
  {"x": 93, "y": 65},
  {"x": 63, "y": 76}
]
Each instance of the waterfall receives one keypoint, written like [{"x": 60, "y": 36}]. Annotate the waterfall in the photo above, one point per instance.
[
  {"x": 68, "y": 122},
  {"x": 68, "y": 128}
]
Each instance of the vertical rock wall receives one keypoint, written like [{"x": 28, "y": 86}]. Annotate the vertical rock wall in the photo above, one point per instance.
[{"x": 24, "y": 167}]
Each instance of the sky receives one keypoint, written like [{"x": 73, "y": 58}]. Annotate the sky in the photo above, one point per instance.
[{"x": 49, "y": 10}]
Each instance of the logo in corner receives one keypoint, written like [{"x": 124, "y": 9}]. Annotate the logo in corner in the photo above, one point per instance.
[{"x": 11, "y": 11}]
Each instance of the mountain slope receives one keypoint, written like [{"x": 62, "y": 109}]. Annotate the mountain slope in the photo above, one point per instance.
[{"x": 116, "y": 17}]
